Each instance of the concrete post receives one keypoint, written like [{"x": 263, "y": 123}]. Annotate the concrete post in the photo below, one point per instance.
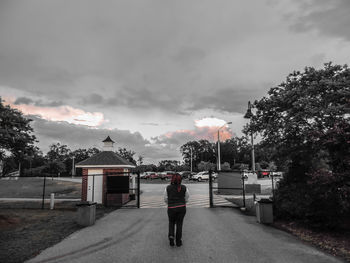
[{"x": 52, "y": 201}]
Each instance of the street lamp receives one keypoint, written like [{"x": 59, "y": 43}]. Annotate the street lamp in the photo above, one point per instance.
[
  {"x": 219, "y": 161},
  {"x": 249, "y": 115},
  {"x": 191, "y": 159},
  {"x": 73, "y": 167}
]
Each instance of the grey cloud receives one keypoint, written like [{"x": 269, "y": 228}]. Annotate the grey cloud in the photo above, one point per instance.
[
  {"x": 41, "y": 103},
  {"x": 77, "y": 136},
  {"x": 188, "y": 55},
  {"x": 327, "y": 17},
  {"x": 23, "y": 100},
  {"x": 150, "y": 124},
  {"x": 143, "y": 98},
  {"x": 230, "y": 99},
  {"x": 93, "y": 98},
  {"x": 49, "y": 103},
  {"x": 227, "y": 99},
  {"x": 176, "y": 139}
]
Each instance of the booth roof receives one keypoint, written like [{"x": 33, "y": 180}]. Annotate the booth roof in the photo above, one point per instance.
[{"x": 105, "y": 158}]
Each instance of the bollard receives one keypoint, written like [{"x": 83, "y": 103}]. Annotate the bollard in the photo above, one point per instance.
[{"x": 52, "y": 201}]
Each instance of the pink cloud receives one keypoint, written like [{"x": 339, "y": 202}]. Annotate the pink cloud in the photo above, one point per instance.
[
  {"x": 61, "y": 113},
  {"x": 206, "y": 128}
]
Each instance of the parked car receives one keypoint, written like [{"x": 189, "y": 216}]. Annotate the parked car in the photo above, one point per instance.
[
  {"x": 151, "y": 176},
  {"x": 277, "y": 174},
  {"x": 263, "y": 174},
  {"x": 143, "y": 175},
  {"x": 167, "y": 175},
  {"x": 201, "y": 176},
  {"x": 185, "y": 174}
]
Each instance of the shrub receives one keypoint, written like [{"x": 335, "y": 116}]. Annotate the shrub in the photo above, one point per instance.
[{"x": 323, "y": 200}]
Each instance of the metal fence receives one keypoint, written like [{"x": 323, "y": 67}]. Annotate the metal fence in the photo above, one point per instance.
[
  {"x": 241, "y": 188},
  {"x": 227, "y": 189},
  {"x": 37, "y": 192},
  {"x": 60, "y": 192}
]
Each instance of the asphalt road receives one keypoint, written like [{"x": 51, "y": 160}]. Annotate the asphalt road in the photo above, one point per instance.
[
  {"x": 152, "y": 196},
  {"x": 210, "y": 235}
]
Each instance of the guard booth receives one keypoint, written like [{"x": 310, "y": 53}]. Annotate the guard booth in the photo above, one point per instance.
[{"x": 106, "y": 177}]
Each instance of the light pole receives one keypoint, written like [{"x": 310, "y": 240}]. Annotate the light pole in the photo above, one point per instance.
[
  {"x": 219, "y": 161},
  {"x": 191, "y": 159},
  {"x": 249, "y": 115},
  {"x": 73, "y": 168}
]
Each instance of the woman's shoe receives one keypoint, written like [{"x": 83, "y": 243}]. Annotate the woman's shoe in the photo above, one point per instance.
[
  {"x": 171, "y": 241},
  {"x": 179, "y": 243}
]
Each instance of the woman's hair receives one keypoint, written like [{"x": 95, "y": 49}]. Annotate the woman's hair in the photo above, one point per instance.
[{"x": 176, "y": 179}]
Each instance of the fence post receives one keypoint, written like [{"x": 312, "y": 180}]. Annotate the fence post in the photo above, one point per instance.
[
  {"x": 211, "y": 205},
  {"x": 93, "y": 187},
  {"x": 138, "y": 189},
  {"x": 52, "y": 201},
  {"x": 273, "y": 186},
  {"x": 42, "y": 204},
  {"x": 243, "y": 185}
]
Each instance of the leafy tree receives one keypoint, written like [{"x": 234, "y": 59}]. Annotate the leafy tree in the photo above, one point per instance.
[
  {"x": 235, "y": 150},
  {"x": 202, "y": 150},
  {"x": 168, "y": 165},
  {"x": 83, "y": 154},
  {"x": 305, "y": 120},
  {"x": 58, "y": 152},
  {"x": 206, "y": 166},
  {"x": 15, "y": 133},
  {"x": 306, "y": 114},
  {"x": 58, "y": 159},
  {"x": 127, "y": 154},
  {"x": 186, "y": 149},
  {"x": 55, "y": 167},
  {"x": 140, "y": 160}
]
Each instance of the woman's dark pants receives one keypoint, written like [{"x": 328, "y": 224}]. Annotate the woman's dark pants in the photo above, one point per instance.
[{"x": 176, "y": 217}]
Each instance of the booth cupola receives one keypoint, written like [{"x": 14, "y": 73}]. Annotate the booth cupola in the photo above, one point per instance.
[{"x": 108, "y": 144}]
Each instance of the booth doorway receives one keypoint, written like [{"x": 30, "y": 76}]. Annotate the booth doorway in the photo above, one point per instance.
[{"x": 95, "y": 181}]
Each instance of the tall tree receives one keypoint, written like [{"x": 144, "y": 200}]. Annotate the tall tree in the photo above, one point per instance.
[
  {"x": 82, "y": 154},
  {"x": 58, "y": 152},
  {"x": 302, "y": 115},
  {"x": 235, "y": 150},
  {"x": 305, "y": 120},
  {"x": 168, "y": 165},
  {"x": 127, "y": 154},
  {"x": 15, "y": 133},
  {"x": 202, "y": 150}
]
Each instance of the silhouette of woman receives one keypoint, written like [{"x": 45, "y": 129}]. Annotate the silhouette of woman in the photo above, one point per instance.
[{"x": 176, "y": 196}]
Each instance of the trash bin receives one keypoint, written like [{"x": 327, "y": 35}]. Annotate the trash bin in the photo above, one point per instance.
[
  {"x": 86, "y": 213},
  {"x": 264, "y": 211}
]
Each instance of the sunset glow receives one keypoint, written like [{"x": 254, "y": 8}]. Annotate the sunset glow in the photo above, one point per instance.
[
  {"x": 61, "y": 113},
  {"x": 205, "y": 129},
  {"x": 209, "y": 122}
]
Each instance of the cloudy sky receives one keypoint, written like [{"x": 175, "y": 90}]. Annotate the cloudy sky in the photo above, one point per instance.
[{"x": 154, "y": 74}]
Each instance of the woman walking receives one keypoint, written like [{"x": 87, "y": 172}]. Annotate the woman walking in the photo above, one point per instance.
[{"x": 176, "y": 196}]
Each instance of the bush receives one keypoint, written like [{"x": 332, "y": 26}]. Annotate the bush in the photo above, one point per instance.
[
  {"x": 323, "y": 200},
  {"x": 225, "y": 166},
  {"x": 37, "y": 171}
]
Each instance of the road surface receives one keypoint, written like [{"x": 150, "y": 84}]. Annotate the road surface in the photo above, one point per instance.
[{"x": 210, "y": 235}]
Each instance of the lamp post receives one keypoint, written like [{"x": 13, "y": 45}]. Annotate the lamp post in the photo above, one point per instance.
[
  {"x": 219, "y": 161},
  {"x": 73, "y": 167},
  {"x": 249, "y": 115},
  {"x": 191, "y": 159}
]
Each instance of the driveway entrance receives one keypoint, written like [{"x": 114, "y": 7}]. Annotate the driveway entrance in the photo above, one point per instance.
[{"x": 152, "y": 195}]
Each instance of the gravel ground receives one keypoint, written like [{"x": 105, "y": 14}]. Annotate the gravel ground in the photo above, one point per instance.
[{"x": 26, "y": 232}]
